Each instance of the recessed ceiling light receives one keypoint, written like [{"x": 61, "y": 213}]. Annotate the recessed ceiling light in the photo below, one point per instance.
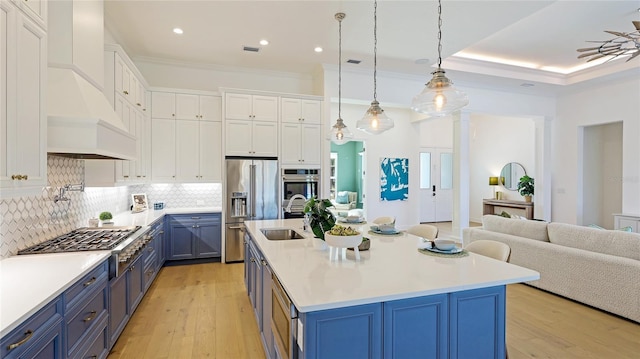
[
  {"x": 264, "y": 42},
  {"x": 178, "y": 30},
  {"x": 318, "y": 49}
]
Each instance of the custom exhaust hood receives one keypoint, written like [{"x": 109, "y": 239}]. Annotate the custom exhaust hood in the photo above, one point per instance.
[{"x": 81, "y": 122}]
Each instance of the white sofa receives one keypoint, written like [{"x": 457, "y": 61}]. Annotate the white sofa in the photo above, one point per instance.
[
  {"x": 345, "y": 201},
  {"x": 600, "y": 268}
]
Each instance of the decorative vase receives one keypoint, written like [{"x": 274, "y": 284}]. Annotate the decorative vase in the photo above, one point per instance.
[
  {"x": 527, "y": 198},
  {"x": 343, "y": 241}
]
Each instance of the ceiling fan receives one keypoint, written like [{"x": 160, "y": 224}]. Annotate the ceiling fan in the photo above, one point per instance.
[{"x": 624, "y": 44}]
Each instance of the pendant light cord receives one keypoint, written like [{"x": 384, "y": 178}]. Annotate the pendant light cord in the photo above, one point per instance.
[
  {"x": 439, "y": 33},
  {"x": 340, "y": 68},
  {"x": 375, "y": 48}
]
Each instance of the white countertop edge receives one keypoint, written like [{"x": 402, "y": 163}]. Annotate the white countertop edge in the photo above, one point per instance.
[
  {"x": 387, "y": 298},
  {"x": 102, "y": 256}
]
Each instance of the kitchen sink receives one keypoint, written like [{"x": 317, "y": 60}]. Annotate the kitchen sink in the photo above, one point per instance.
[{"x": 281, "y": 234}]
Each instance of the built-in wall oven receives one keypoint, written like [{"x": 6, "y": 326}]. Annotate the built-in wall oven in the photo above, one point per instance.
[
  {"x": 301, "y": 183},
  {"x": 284, "y": 318}
]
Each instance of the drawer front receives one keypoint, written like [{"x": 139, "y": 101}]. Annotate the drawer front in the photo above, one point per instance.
[
  {"x": 81, "y": 321},
  {"x": 97, "y": 278},
  {"x": 29, "y": 332},
  {"x": 150, "y": 269},
  {"x": 98, "y": 343},
  {"x": 150, "y": 252}
]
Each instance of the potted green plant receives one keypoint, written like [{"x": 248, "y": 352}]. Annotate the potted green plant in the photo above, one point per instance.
[
  {"x": 319, "y": 216},
  {"x": 106, "y": 218},
  {"x": 525, "y": 187}
]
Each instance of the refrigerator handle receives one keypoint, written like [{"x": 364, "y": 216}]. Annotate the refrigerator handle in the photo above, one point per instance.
[{"x": 252, "y": 184}]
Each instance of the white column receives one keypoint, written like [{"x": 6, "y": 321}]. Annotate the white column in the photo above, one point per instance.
[{"x": 460, "y": 173}]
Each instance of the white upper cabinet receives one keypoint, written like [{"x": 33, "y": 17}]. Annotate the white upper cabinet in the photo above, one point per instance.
[
  {"x": 196, "y": 138},
  {"x": 36, "y": 10},
  {"x": 23, "y": 60},
  {"x": 163, "y": 105},
  {"x": 251, "y": 138},
  {"x": 301, "y": 144},
  {"x": 211, "y": 108},
  {"x": 198, "y": 107},
  {"x": 301, "y": 110},
  {"x": 163, "y": 150},
  {"x": 251, "y": 107},
  {"x": 198, "y": 151}
]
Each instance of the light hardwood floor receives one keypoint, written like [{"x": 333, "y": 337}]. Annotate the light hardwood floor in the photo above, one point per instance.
[{"x": 203, "y": 311}]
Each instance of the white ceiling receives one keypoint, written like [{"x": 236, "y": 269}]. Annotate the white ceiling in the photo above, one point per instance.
[{"x": 537, "y": 33}]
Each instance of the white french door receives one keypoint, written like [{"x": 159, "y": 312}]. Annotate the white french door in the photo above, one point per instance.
[{"x": 436, "y": 184}]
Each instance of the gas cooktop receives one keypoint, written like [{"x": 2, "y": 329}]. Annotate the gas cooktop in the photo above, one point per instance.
[{"x": 83, "y": 239}]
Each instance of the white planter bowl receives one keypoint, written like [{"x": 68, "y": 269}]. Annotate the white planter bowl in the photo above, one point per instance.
[{"x": 343, "y": 241}]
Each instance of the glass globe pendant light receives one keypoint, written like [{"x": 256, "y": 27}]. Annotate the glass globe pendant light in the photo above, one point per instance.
[
  {"x": 339, "y": 133},
  {"x": 439, "y": 98},
  {"x": 375, "y": 121}
]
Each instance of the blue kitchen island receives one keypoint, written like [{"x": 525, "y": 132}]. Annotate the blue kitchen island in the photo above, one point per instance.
[{"x": 395, "y": 302}]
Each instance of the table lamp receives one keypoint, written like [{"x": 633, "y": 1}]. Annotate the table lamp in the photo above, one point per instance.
[{"x": 493, "y": 182}]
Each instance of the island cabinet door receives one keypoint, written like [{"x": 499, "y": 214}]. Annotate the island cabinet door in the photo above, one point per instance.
[
  {"x": 416, "y": 327},
  {"x": 351, "y": 332},
  {"x": 477, "y": 323}
]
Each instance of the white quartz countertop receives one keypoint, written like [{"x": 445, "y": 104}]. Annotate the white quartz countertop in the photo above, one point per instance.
[
  {"x": 391, "y": 269},
  {"x": 29, "y": 282},
  {"x": 147, "y": 217}
]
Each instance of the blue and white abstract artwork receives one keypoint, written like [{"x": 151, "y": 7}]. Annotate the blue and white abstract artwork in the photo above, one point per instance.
[{"x": 394, "y": 179}]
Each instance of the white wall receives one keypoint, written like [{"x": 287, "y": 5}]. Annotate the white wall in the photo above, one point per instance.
[
  {"x": 602, "y": 188},
  {"x": 210, "y": 78},
  {"x": 615, "y": 101},
  {"x": 494, "y": 142}
]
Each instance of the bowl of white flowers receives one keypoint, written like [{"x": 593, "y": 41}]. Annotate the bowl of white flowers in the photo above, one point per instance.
[{"x": 343, "y": 237}]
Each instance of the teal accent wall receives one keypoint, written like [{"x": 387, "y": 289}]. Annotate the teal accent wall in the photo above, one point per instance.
[{"x": 349, "y": 167}]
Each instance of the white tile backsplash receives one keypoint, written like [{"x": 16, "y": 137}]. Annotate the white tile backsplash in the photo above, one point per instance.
[{"x": 26, "y": 221}]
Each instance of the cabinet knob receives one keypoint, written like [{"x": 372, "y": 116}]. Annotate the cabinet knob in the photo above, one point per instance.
[
  {"x": 125, "y": 92},
  {"x": 139, "y": 104},
  {"x": 173, "y": 115}
]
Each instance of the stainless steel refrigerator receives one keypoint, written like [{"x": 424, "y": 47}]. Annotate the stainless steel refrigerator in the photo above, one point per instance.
[{"x": 251, "y": 194}]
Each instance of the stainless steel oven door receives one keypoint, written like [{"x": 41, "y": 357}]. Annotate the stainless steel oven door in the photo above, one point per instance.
[{"x": 283, "y": 321}]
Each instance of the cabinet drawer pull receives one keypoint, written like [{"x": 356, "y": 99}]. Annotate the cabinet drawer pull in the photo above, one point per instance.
[
  {"x": 27, "y": 335},
  {"x": 195, "y": 217},
  {"x": 90, "y": 282},
  {"x": 92, "y": 357},
  {"x": 92, "y": 316}
]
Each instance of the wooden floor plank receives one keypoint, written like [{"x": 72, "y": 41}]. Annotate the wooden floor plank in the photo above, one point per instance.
[{"x": 203, "y": 311}]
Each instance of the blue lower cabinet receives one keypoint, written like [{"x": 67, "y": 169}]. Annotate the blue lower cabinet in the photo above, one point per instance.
[
  {"x": 97, "y": 343},
  {"x": 477, "y": 323},
  {"x": 40, "y": 336},
  {"x": 351, "y": 332},
  {"x": 416, "y": 327},
  {"x": 48, "y": 346},
  {"x": 81, "y": 321},
  {"x": 194, "y": 236}
]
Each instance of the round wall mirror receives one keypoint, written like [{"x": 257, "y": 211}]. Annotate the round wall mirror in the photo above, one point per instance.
[{"x": 510, "y": 175}]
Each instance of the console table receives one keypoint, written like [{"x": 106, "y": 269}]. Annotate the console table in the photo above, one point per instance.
[{"x": 490, "y": 204}]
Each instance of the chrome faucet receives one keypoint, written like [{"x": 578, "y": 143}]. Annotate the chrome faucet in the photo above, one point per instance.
[
  {"x": 295, "y": 196},
  {"x": 65, "y": 189}
]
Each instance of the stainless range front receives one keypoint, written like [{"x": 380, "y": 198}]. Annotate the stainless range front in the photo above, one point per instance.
[{"x": 125, "y": 243}]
